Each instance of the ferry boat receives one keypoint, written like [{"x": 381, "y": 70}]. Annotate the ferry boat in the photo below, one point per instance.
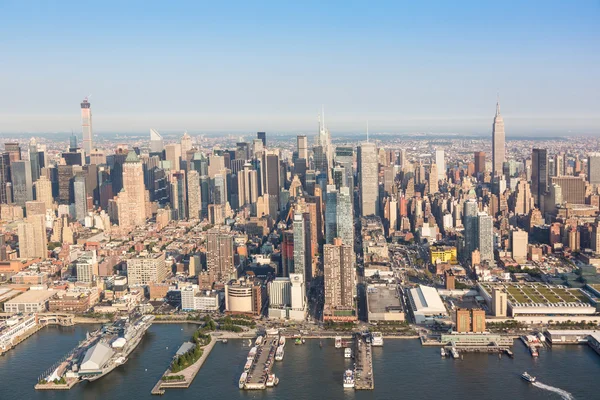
[
  {"x": 272, "y": 380},
  {"x": 347, "y": 352},
  {"x": 443, "y": 352},
  {"x": 282, "y": 340},
  {"x": 279, "y": 353},
  {"x": 338, "y": 342},
  {"x": 348, "y": 379},
  {"x": 454, "y": 352},
  {"x": 528, "y": 377},
  {"x": 243, "y": 380},
  {"x": 252, "y": 353},
  {"x": 533, "y": 351},
  {"x": 377, "y": 339}
]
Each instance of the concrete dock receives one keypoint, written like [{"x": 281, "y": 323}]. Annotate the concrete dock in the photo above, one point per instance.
[
  {"x": 262, "y": 364},
  {"x": 363, "y": 367}
]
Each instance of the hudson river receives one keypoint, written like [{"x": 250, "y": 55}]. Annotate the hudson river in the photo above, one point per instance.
[{"x": 403, "y": 370}]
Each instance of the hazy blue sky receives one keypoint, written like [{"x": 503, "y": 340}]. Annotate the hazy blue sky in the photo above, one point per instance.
[{"x": 248, "y": 66}]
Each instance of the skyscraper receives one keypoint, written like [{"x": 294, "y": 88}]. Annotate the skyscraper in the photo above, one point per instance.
[
  {"x": 21, "y": 182},
  {"x": 186, "y": 143},
  {"x": 339, "y": 277},
  {"x": 470, "y": 224},
  {"x": 86, "y": 126},
  {"x": 485, "y": 232},
  {"x": 302, "y": 147},
  {"x": 593, "y": 165},
  {"x": 43, "y": 191},
  {"x": 263, "y": 137},
  {"x": 80, "y": 197},
  {"x": 345, "y": 217},
  {"x": 173, "y": 156},
  {"x": 33, "y": 242},
  {"x": 440, "y": 161},
  {"x": 34, "y": 160},
  {"x": 4, "y": 176},
  {"x": 498, "y": 138},
  {"x": 131, "y": 201},
  {"x": 539, "y": 174},
  {"x": 157, "y": 144},
  {"x": 369, "y": 186},
  {"x": 219, "y": 255},
  {"x": 194, "y": 197},
  {"x": 331, "y": 200},
  {"x": 302, "y": 261}
]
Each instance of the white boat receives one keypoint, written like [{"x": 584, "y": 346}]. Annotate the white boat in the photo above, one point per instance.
[
  {"x": 248, "y": 365},
  {"x": 454, "y": 352},
  {"x": 272, "y": 380},
  {"x": 347, "y": 352},
  {"x": 443, "y": 352},
  {"x": 243, "y": 380},
  {"x": 282, "y": 340},
  {"x": 338, "y": 342},
  {"x": 259, "y": 340},
  {"x": 279, "y": 353},
  {"x": 528, "y": 377},
  {"x": 252, "y": 353},
  {"x": 348, "y": 379},
  {"x": 377, "y": 339}
]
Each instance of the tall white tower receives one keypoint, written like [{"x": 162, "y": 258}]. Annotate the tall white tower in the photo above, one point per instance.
[
  {"x": 498, "y": 139},
  {"x": 86, "y": 126}
]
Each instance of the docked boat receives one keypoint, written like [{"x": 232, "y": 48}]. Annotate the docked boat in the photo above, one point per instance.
[
  {"x": 248, "y": 365},
  {"x": 272, "y": 380},
  {"x": 258, "y": 341},
  {"x": 338, "y": 342},
  {"x": 528, "y": 377},
  {"x": 533, "y": 351},
  {"x": 377, "y": 339},
  {"x": 243, "y": 380},
  {"x": 279, "y": 353},
  {"x": 509, "y": 353},
  {"x": 348, "y": 379},
  {"x": 224, "y": 341},
  {"x": 298, "y": 341},
  {"x": 454, "y": 352},
  {"x": 252, "y": 353},
  {"x": 443, "y": 352},
  {"x": 282, "y": 340},
  {"x": 347, "y": 352}
]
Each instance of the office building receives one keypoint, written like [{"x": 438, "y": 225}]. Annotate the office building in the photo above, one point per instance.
[
  {"x": 573, "y": 188},
  {"x": 470, "y": 225},
  {"x": 173, "y": 156},
  {"x": 22, "y": 186},
  {"x": 440, "y": 162},
  {"x": 302, "y": 257},
  {"x": 80, "y": 195},
  {"x": 539, "y": 174},
  {"x": 194, "y": 197},
  {"x": 593, "y": 168},
  {"x": 157, "y": 144},
  {"x": 498, "y": 138},
  {"x": 302, "y": 147},
  {"x": 479, "y": 162},
  {"x": 499, "y": 302},
  {"x": 263, "y": 138},
  {"x": 131, "y": 201},
  {"x": 519, "y": 244}
]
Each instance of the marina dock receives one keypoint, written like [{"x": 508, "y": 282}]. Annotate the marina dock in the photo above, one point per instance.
[
  {"x": 363, "y": 367},
  {"x": 259, "y": 363}
]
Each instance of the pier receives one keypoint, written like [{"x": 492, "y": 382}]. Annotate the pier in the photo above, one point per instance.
[
  {"x": 363, "y": 367},
  {"x": 261, "y": 364},
  {"x": 187, "y": 375}
]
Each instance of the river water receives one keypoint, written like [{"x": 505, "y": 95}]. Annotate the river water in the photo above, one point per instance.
[{"x": 403, "y": 369}]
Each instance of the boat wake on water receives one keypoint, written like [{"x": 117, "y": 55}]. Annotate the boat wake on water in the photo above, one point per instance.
[{"x": 563, "y": 393}]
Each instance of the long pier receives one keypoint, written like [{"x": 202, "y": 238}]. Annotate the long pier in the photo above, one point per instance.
[
  {"x": 188, "y": 374},
  {"x": 261, "y": 364},
  {"x": 363, "y": 367}
]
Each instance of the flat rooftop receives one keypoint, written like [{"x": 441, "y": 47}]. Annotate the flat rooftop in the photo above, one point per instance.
[
  {"x": 382, "y": 297},
  {"x": 33, "y": 296},
  {"x": 539, "y": 293}
]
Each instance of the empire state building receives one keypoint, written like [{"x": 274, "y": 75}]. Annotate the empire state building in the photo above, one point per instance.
[{"x": 498, "y": 138}]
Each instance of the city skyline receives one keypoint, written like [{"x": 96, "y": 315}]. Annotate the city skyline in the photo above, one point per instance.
[{"x": 404, "y": 68}]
